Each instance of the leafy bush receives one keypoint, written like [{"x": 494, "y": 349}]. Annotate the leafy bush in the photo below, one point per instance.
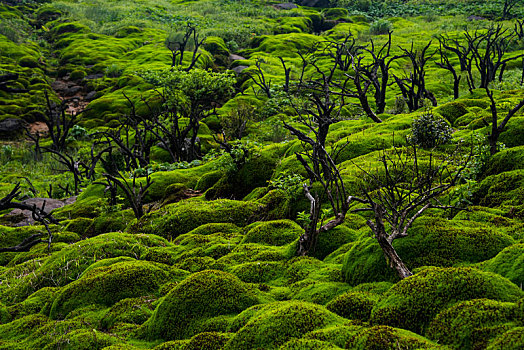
[
  {"x": 381, "y": 26},
  {"x": 114, "y": 71},
  {"x": 429, "y": 131}
]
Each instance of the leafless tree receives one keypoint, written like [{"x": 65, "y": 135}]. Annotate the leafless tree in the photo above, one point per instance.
[
  {"x": 177, "y": 43},
  {"x": 39, "y": 215},
  {"x": 413, "y": 87},
  {"x": 487, "y": 50},
  {"x": 496, "y": 127}
]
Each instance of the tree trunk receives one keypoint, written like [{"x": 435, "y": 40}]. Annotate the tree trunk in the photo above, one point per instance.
[{"x": 392, "y": 257}]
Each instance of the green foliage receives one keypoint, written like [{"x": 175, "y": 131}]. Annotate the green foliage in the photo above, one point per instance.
[
  {"x": 429, "y": 131},
  {"x": 413, "y": 302},
  {"x": 202, "y": 295},
  {"x": 381, "y": 26}
]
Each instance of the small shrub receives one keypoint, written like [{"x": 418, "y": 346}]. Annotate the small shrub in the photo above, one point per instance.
[
  {"x": 429, "y": 131},
  {"x": 114, "y": 71},
  {"x": 379, "y": 27}
]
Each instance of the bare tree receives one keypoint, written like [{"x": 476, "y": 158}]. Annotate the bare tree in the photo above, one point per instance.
[
  {"x": 38, "y": 214},
  {"x": 177, "y": 43},
  {"x": 259, "y": 78},
  {"x": 413, "y": 87},
  {"x": 322, "y": 110},
  {"x": 508, "y": 6},
  {"x": 488, "y": 49},
  {"x": 496, "y": 127},
  {"x": 400, "y": 195},
  {"x": 134, "y": 192}
]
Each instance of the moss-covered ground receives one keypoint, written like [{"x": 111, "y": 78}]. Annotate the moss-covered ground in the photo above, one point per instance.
[{"x": 212, "y": 262}]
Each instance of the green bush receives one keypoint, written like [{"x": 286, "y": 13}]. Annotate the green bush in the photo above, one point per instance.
[
  {"x": 429, "y": 131},
  {"x": 381, "y": 26}
]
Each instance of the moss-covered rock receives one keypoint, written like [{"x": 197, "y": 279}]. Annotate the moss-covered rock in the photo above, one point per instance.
[
  {"x": 310, "y": 344},
  {"x": 328, "y": 242},
  {"x": 510, "y": 340},
  {"x": 506, "y": 160},
  {"x": 274, "y": 324},
  {"x": 130, "y": 310},
  {"x": 109, "y": 284},
  {"x": 508, "y": 263},
  {"x": 502, "y": 189},
  {"x": 452, "y": 111},
  {"x": 208, "y": 340},
  {"x": 385, "y": 337},
  {"x": 259, "y": 271},
  {"x": 278, "y": 233},
  {"x": 179, "y": 218},
  {"x": 201, "y": 296},
  {"x": 414, "y": 301},
  {"x": 466, "y": 325},
  {"x": 353, "y": 305}
]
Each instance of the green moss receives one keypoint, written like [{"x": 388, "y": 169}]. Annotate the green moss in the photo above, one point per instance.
[
  {"x": 259, "y": 271},
  {"x": 511, "y": 340},
  {"x": 182, "y": 217},
  {"x": 208, "y": 340},
  {"x": 4, "y": 314},
  {"x": 365, "y": 262},
  {"x": 452, "y": 111},
  {"x": 18, "y": 330},
  {"x": 83, "y": 339},
  {"x": 506, "y": 160},
  {"x": 414, "y": 301},
  {"x": 68, "y": 263},
  {"x": 275, "y": 324},
  {"x": 328, "y": 242},
  {"x": 79, "y": 225},
  {"x": 208, "y": 180},
  {"x": 335, "y": 13},
  {"x": 202, "y": 295},
  {"x": 384, "y": 337},
  {"x": 460, "y": 325},
  {"x": 513, "y": 134},
  {"x": 313, "y": 344},
  {"x": 318, "y": 292},
  {"x": 353, "y": 305},
  {"x": 130, "y": 310},
  {"x": 35, "y": 303},
  {"x": 502, "y": 189},
  {"x": 109, "y": 284},
  {"x": 279, "y": 232},
  {"x": 508, "y": 263}
]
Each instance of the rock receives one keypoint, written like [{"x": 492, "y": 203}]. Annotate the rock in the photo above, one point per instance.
[
  {"x": 94, "y": 76},
  {"x": 239, "y": 69},
  {"x": 90, "y": 96},
  {"x": 475, "y": 18},
  {"x": 18, "y": 217},
  {"x": 72, "y": 90},
  {"x": 285, "y": 6},
  {"x": 314, "y": 3},
  {"x": 234, "y": 57},
  {"x": 11, "y": 128}
]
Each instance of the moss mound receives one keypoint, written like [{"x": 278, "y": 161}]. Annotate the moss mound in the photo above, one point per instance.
[
  {"x": 182, "y": 217},
  {"x": 354, "y": 305},
  {"x": 130, "y": 310},
  {"x": 389, "y": 338},
  {"x": 107, "y": 285},
  {"x": 511, "y": 340},
  {"x": 278, "y": 233},
  {"x": 413, "y": 302},
  {"x": 502, "y": 189},
  {"x": 202, "y": 295},
  {"x": 313, "y": 344},
  {"x": 277, "y": 323},
  {"x": 208, "y": 340},
  {"x": 508, "y": 263},
  {"x": 465, "y": 324}
]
